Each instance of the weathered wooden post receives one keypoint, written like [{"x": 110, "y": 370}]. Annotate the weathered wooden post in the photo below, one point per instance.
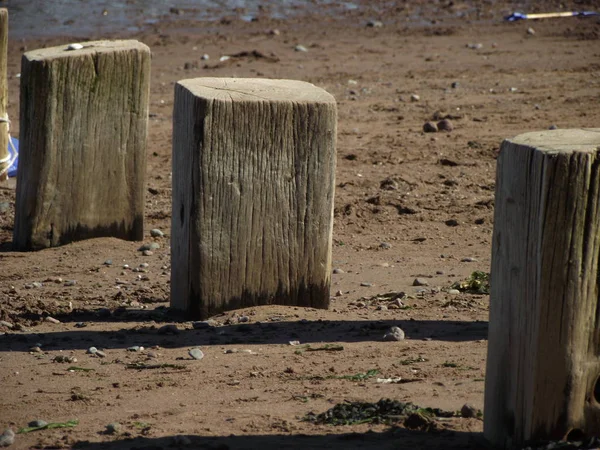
[
  {"x": 253, "y": 185},
  {"x": 84, "y": 121},
  {"x": 543, "y": 364},
  {"x": 4, "y": 123}
]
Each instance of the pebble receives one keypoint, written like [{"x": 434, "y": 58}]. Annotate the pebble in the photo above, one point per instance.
[
  {"x": 92, "y": 351},
  {"x": 454, "y": 85},
  {"x": 366, "y": 284},
  {"x": 37, "y": 423},
  {"x": 414, "y": 98},
  {"x": 135, "y": 348},
  {"x": 530, "y": 31},
  {"x": 453, "y": 291},
  {"x": 4, "y": 323},
  {"x": 205, "y": 57},
  {"x": 430, "y": 127},
  {"x": 468, "y": 411},
  {"x": 108, "y": 262},
  {"x": 36, "y": 349},
  {"x": 445, "y": 125},
  {"x": 100, "y": 354},
  {"x": 476, "y": 46},
  {"x": 150, "y": 246},
  {"x": 553, "y": 127},
  {"x": 336, "y": 271},
  {"x": 374, "y": 24},
  {"x": 64, "y": 359},
  {"x": 113, "y": 428},
  {"x": 7, "y": 438},
  {"x": 36, "y": 284},
  {"x": 243, "y": 319},
  {"x": 168, "y": 329},
  {"x": 4, "y": 206},
  {"x": 394, "y": 334},
  {"x": 382, "y": 308},
  {"x": 300, "y": 48},
  {"x": 80, "y": 325},
  {"x": 469, "y": 259},
  {"x": 74, "y": 47},
  {"x": 339, "y": 293},
  {"x": 147, "y": 253},
  {"x": 51, "y": 320},
  {"x": 70, "y": 282},
  {"x": 451, "y": 222},
  {"x": 420, "y": 282},
  {"x": 201, "y": 325},
  {"x": 196, "y": 353},
  {"x": 155, "y": 232},
  {"x": 144, "y": 265},
  {"x": 385, "y": 245}
]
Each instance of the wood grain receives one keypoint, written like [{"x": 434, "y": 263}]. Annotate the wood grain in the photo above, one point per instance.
[
  {"x": 253, "y": 186},
  {"x": 84, "y": 123},
  {"x": 3, "y": 95},
  {"x": 543, "y": 351}
]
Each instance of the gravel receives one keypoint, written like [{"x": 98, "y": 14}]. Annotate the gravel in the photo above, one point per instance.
[
  {"x": 420, "y": 282},
  {"x": 430, "y": 127},
  {"x": 196, "y": 353},
  {"x": 394, "y": 334},
  {"x": 7, "y": 438},
  {"x": 155, "y": 232}
]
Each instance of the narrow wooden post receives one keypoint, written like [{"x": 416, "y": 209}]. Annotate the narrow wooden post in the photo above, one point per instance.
[
  {"x": 543, "y": 366},
  {"x": 84, "y": 121},
  {"x": 4, "y": 155},
  {"x": 253, "y": 185}
]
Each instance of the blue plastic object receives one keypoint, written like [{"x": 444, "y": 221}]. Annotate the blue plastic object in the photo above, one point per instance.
[
  {"x": 12, "y": 170},
  {"x": 520, "y": 16}
]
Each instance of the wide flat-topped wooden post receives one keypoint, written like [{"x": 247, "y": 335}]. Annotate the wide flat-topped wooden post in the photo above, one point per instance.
[
  {"x": 543, "y": 367},
  {"x": 83, "y": 128},
  {"x": 253, "y": 185}
]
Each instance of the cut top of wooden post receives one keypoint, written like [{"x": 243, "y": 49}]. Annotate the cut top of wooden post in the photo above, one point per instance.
[
  {"x": 83, "y": 49},
  {"x": 585, "y": 140},
  {"x": 256, "y": 89}
]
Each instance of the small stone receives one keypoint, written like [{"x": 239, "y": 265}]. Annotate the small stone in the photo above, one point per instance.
[
  {"x": 36, "y": 284},
  {"x": 300, "y": 48},
  {"x": 374, "y": 24},
  {"x": 366, "y": 284},
  {"x": 445, "y": 125},
  {"x": 135, "y": 348},
  {"x": 196, "y": 353},
  {"x": 530, "y": 31},
  {"x": 453, "y": 291},
  {"x": 451, "y": 222},
  {"x": 243, "y": 319},
  {"x": 64, "y": 359},
  {"x": 4, "y": 323},
  {"x": 4, "y": 206},
  {"x": 36, "y": 349},
  {"x": 420, "y": 282},
  {"x": 168, "y": 329},
  {"x": 360, "y": 304},
  {"x": 155, "y": 232},
  {"x": 70, "y": 282},
  {"x": 205, "y": 57},
  {"x": 51, "y": 320},
  {"x": 553, "y": 127},
  {"x": 80, "y": 325},
  {"x": 7, "y": 438},
  {"x": 469, "y": 259},
  {"x": 92, "y": 351},
  {"x": 454, "y": 85},
  {"x": 113, "y": 428},
  {"x": 108, "y": 262},
  {"x": 274, "y": 32},
  {"x": 74, "y": 47},
  {"x": 339, "y": 293},
  {"x": 37, "y": 423},
  {"x": 394, "y": 334},
  {"x": 100, "y": 354},
  {"x": 147, "y": 253},
  {"x": 336, "y": 271},
  {"x": 476, "y": 46},
  {"x": 414, "y": 98},
  {"x": 150, "y": 246},
  {"x": 385, "y": 245},
  {"x": 201, "y": 325},
  {"x": 468, "y": 411},
  {"x": 430, "y": 127},
  {"x": 382, "y": 308}
]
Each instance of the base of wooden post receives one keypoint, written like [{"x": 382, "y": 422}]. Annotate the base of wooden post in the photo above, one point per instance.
[
  {"x": 544, "y": 339},
  {"x": 253, "y": 183}
]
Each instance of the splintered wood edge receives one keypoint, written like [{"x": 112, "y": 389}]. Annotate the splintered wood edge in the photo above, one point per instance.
[
  {"x": 583, "y": 140},
  {"x": 87, "y": 48},
  {"x": 257, "y": 89}
]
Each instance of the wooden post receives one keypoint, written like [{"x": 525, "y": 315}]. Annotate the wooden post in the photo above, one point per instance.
[
  {"x": 4, "y": 155},
  {"x": 253, "y": 184},
  {"x": 84, "y": 121},
  {"x": 544, "y": 333}
]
